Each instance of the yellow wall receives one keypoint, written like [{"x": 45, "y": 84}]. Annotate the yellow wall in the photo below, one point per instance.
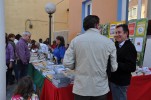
[
  {"x": 105, "y": 9},
  {"x": 18, "y": 11}
]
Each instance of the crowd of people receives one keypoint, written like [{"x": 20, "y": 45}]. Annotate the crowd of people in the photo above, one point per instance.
[
  {"x": 18, "y": 50},
  {"x": 90, "y": 54}
]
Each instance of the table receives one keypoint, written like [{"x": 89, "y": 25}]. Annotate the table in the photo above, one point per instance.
[
  {"x": 36, "y": 75},
  {"x": 139, "y": 89},
  {"x": 50, "y": 92}
]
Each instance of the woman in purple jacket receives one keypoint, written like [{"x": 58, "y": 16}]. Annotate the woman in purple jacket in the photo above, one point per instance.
[{"x": 9, "y": 61}]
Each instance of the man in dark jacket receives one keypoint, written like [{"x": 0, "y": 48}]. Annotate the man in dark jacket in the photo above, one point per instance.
[{"x": 126, "y": 58}]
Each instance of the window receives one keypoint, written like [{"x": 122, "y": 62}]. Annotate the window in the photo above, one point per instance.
[
  {"x": 137, "y": 9},
  {"x": 134, "y": 11},
  {"x": 133, "y": 4},
  {"x": 88, "y": 8},
  {"x": 144, "y": 9},
  {"x": 130, "y": 13}
]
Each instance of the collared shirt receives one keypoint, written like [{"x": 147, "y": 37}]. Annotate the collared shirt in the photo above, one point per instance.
[
  {"x": 121, "y": 44},
  {"x": 43, "y": 48},
  {"x": 88, "y": 54},
  {"x": 9, "y": 53},
  {"x": 15, "y": 41},
  {"x": 23, "y": 53}
]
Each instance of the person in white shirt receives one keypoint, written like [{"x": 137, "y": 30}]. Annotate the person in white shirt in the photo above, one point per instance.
[
  {"x": 88, "y": 55},
  {"x": 17, "y": 37},
  {"x": 43, "y": 47}
]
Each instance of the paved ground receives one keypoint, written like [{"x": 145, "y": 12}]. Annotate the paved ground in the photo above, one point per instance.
[{"x": 9, "y": 91}]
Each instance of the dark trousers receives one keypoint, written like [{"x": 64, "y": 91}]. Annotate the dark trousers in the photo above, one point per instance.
[
  {"x": 9, "y": 74},
  {"x": 22, "y": 69},
  {"x": 16, "y": 70},
  {"x": 78, "y": 97}
]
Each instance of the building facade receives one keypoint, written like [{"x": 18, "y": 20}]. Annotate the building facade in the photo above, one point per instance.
[
  {"x": 107, "y": 10},
  {"x": 133, "y": 9},
  {"x": 30, "y": 15}
]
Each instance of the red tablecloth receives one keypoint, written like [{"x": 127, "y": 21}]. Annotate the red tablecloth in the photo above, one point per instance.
[
  {"x": 140, "y": 89},
  {"x": 50, "y": 92}
]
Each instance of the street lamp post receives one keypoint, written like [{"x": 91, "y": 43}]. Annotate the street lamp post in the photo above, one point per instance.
[
  {"x": 50, "y": 16},
  {"x": 50, "y": 8}
]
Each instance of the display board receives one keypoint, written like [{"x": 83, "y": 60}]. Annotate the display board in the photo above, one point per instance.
[
  {"x": 108, "y": 29},
  {"x": 137, "y": 35},
  {"x": 138, "y": 30}
]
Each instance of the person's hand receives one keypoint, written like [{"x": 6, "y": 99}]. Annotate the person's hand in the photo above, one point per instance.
[{"x": 10, "y": 65}]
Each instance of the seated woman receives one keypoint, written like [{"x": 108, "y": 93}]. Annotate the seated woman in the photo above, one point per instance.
[
  {"x": 34, "y": 46},
  {"x": 25, "y": 90},
  {"x": 59, "y": 51}
]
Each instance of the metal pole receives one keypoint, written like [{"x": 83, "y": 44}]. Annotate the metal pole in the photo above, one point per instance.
[
  {"x": 148, "y": 9},
  {"x": 2, "y": 54},
  {"x": 139, "y": 9},
  {"x": 50, "y": 29}
]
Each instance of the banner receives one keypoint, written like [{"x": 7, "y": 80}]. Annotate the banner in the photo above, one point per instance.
[
  {"x": 141, "y": 27},
  {"x": 131, "y": 27}
]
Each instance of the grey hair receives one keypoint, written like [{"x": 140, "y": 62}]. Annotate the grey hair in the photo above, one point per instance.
[{"x": 26, "y": 33}]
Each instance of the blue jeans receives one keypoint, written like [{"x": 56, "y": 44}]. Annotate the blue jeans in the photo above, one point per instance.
[{"x": 118, "y": 92}]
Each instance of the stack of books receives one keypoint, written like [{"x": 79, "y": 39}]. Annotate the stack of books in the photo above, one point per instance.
[{"x": 60, "y": 80}]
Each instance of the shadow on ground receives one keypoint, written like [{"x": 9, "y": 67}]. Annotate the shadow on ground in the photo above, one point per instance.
[{"x": 9, "y": 91}]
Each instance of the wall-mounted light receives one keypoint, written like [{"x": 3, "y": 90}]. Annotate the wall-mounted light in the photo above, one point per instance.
[
  {"x": 68, "y": 10},
  {"x": 30, "y": 25}
]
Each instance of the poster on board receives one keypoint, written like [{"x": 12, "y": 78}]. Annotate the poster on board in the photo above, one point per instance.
[
  {"x": 112, "y": 30},
  {"x": 131, "y": 27},
  {"x": 141, "y": 27},
  {"x": 113, "y": 27},
  {"x": 138, "y": 44},
  {"x": 104, "y": 29}
]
